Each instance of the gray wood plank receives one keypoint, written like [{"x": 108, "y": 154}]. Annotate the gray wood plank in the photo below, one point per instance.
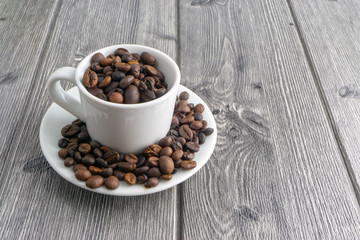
[
  {"x": 330, "y": 31},
  {"x": 24, "y": 29},
  {"x": 277, "y": 172},
  {"x": 36, "y": 203}
]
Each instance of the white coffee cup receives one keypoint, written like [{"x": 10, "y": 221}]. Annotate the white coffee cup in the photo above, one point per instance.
[{"x": 127, "y": 128}]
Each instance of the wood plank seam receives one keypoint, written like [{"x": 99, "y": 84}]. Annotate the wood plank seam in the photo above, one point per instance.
[
  {"x": 326, "y": 106},
  {"x": 38, "y": 63}
]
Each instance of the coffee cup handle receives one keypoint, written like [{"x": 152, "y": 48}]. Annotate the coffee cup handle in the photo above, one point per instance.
[{"x": 60, "y": 96}]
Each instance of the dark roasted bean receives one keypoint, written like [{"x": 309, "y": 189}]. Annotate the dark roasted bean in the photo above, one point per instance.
[
  {"x": 79, "y": 166},
  {"x": 119, "y": 174},
  {"x": 62, "y": 143},
  {"x": 106, "y": 172},
  {"x": 153, "y": 162},
  {"x": 69, "y": 161},
  {"x": 95, "y": 181},
  {"x": 125, "y": 166},
  {"x": 188, "y": 155},
  {"x": 153, "y": 172},
  {"x": 101, "y": 162},
  {"x": 202, "y": 138},
  {"x": 131, "y": 158},
  {"x": 198, "y": 116},
  {"x": 152, "y": 182},
  {"x": 84, "y": 148},
  {"x": 117, "y": 76},
  {"x": 147, "y": 58},
  {"x": 111, "y": 157},
  {"x": 70, "y": 130},
  {"x": 95, "y": 170},
  {"x": 208, "y": 131},
  {"x": 184, "y": 96},
  {"x": 141, "y": 178},
  {"x": 97, "y": 57},
  {"x": 186, "y": 132},
  {"x": 77, "y": 156},
  {"x": 121, "y": 51},
  {"x": 188, "y": 165},
  {"x": 141, "y": 161},
  {"x": 82, "y": 174},
  {"x": 199, "y": 108},
  {"x": 88, "y": 160},
  {"x": 132, "y": 95},
  {"x": 177, "y": 163},
  {"x": 166, "y": 164},
  {"x": 63, "y": 153},
  {"x": 98, "y": 152},
  {"x": 130, "y": 178},
  {"x": 141, "y": 170},
  {"x": 165, "y": 141},
  {"x": 112, "y": 183}
]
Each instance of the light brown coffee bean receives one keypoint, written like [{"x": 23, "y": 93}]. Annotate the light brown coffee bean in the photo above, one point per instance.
[
  {"x": 196, "y": 125},
  {"x": 177, "y": 155},
  {"x": 95, "y": 181},
  {"x": 79, "y": 166},
  {"x": 186, "y": 132},
  {"x": 187, "y": 120},
  {"x": 106, "y": 62},
  {"x": 130, "y": 178},
  {"x": 112, "y": 183},
  {"x": 192, "y": 146},
  {"x": 150, "y": 70},
  {"x": 63, "y": 153},
  {"x": 153, "y": 150},
  {"x": 116, "y": 97},
  {"x": 166, "y": 177},
  {"x": 166, "y": 151},
  {"x": 82, "y": 174},
  {"x": 165, "y": 141},
  {"x": 187, "y": 165},
  {"x": 166, "y": 164},
  {"x": 104, "y": 83},
  {"x": 97, "y": 57},
  {"x": 199, "y": 108}
]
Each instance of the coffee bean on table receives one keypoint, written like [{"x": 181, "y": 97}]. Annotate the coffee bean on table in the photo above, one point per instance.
[
  {"x": 106, "y": 172},
  {"x": 177, "y": 155},
  {"x": 130, "y": 178},
  {"x": 112, "y": 182},
  {"x": 166, "y": 164},
  {"x": 95, "y": 181},
  {"x": 69, "y": 161},
  {"x": 188, "y": 165},
  {"x": 152, "y": 182},
  {"x": 82, "y": 174},
  {"x": 63, "y": 153},
  {"x": 131, "y": 158},
  {"x": 70, "y": 130}
]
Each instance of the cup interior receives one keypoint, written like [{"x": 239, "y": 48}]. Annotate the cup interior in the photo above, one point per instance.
[{"x": 163, "y": 62}]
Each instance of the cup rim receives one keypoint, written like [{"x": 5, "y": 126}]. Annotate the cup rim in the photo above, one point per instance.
[{"x": 85, "y": 92}]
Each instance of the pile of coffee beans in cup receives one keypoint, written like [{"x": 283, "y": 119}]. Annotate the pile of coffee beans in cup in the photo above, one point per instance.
[
  {"x": 124, "y": 77},
  {"x": 99, "y": 165}
]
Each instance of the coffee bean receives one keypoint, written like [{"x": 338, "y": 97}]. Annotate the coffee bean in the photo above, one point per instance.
[
  {"x": 153, "y": 162},
  {"x": 174, "y": 121},
  {"x": 127, "y": 57},
  {"x": 78, "y": 122},
  {"x": 196, "y": 125},
  {"x": 97, "y": 57},
  {"x": 141, "y": 178},
  {"x": 63, "y": 153},
  {"x": 136, "y": 56},
  {"x": 62, "y": 143},
  {"x": 150, "y": 70},
  {"x": 141, "y": 170},
  {"x": 188, "y": 155},
  {"x": 77, "y": 156},
  {"x": 84, "y": 148},
  {"x": 106, "y": 70},
  {"x": 152, "y": 182},
  {"x": 191, "y": 106},
  {"x": 72, "y": 145},
  {"x": 69, "y": 161},
  {"x": 176, "y": 146},
  {"x": 101, "y": 162},
  {"x": 199, "y": 108},
  {"x": 113, "y": 166},
  {"x": 166, "y": 151},
  {"x": 116, "y": 97},
  {"x": 119, "y": 174},
  {"x": 95, "y": 181},
  {"x": 122, "y": 67},
  {"x": 160, "y": 75},
  {"x": 192, "y": 146},
  {"x": 204, "y": 123},
  {"x": 184, "y": 96},
  {"x": 202, "y": 138},
  {"x": 187, "y": 165},
  {"x": 165, "y": 141},
  {"x": 184, "y": 109},
  {"x": 105, "y": 82},
  {"x": 106, "y": 172},
  {"x": 132, "y": 95},
  {"x": 131, "y": 158},
  {"x": 195, "y": 139},
  {"x": 177, "y": 163},
  {"x": 166, "y": 177},
  {"x": 105, "y": 149},
  {"x": 88, "y": 160},
  {"x": 78, "y": 167},
  {"x": 95, "y": 144},
  {"x": 186, "y": 132},
  {"x": 121, "y": 51},
  {"x": 112, "y": 183},
  {"x": 95, "y": 91},
  {"x": 187, "y": 120},
  {"x": 153, "y": 172},
  {"x": 117, "y": 76},
  {"x": 160, "y": 92},
  {"x": 166, "y": 164},
  {"x": 112, "y": 86},
  {"x": 125, "y": 166},
  {"x": 83, "y": 137},
  {"x": 70, "y": 130},
  {"x": 126, "y": 81},
  {"x": 177, "y": 155},
  {"x": 173, "y": 133},
  {"x": 106, "y": 62},
  {"x": 98, "y": 152},
  {"x": 130, "y": 178},
  {"x": 95, "y": 170},
  {"x": 153, "y": 150},
  {"x": 134, "y": 69},
  {"x": 147, "y": 96},
  {"x": 72, "y": 152},
  {"x": 198, "y": 116},
  {"x": 148, "y": 59},
  {"x": 181, "y": 140},
  {"x": 111, "y": 157},
  {"x": 141, "y": 161},
  {"x": 208, "y": 131},
  {"x": 82, "y": 174},
  {"x": 90, "y": 79}
]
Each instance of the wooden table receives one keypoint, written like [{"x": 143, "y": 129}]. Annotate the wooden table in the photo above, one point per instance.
[{"x": 281, "y": 77}]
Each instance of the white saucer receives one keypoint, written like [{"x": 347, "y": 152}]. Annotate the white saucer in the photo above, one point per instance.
[{"x": 56, "y": 117}]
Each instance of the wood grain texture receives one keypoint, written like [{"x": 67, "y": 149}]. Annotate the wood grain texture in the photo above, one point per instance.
[
  {"x": 331, "y": 33},
  {"x": 24, "y": 30},
  {"x": 36, "y": 203},
  {"x": 277, "y": 172}
]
